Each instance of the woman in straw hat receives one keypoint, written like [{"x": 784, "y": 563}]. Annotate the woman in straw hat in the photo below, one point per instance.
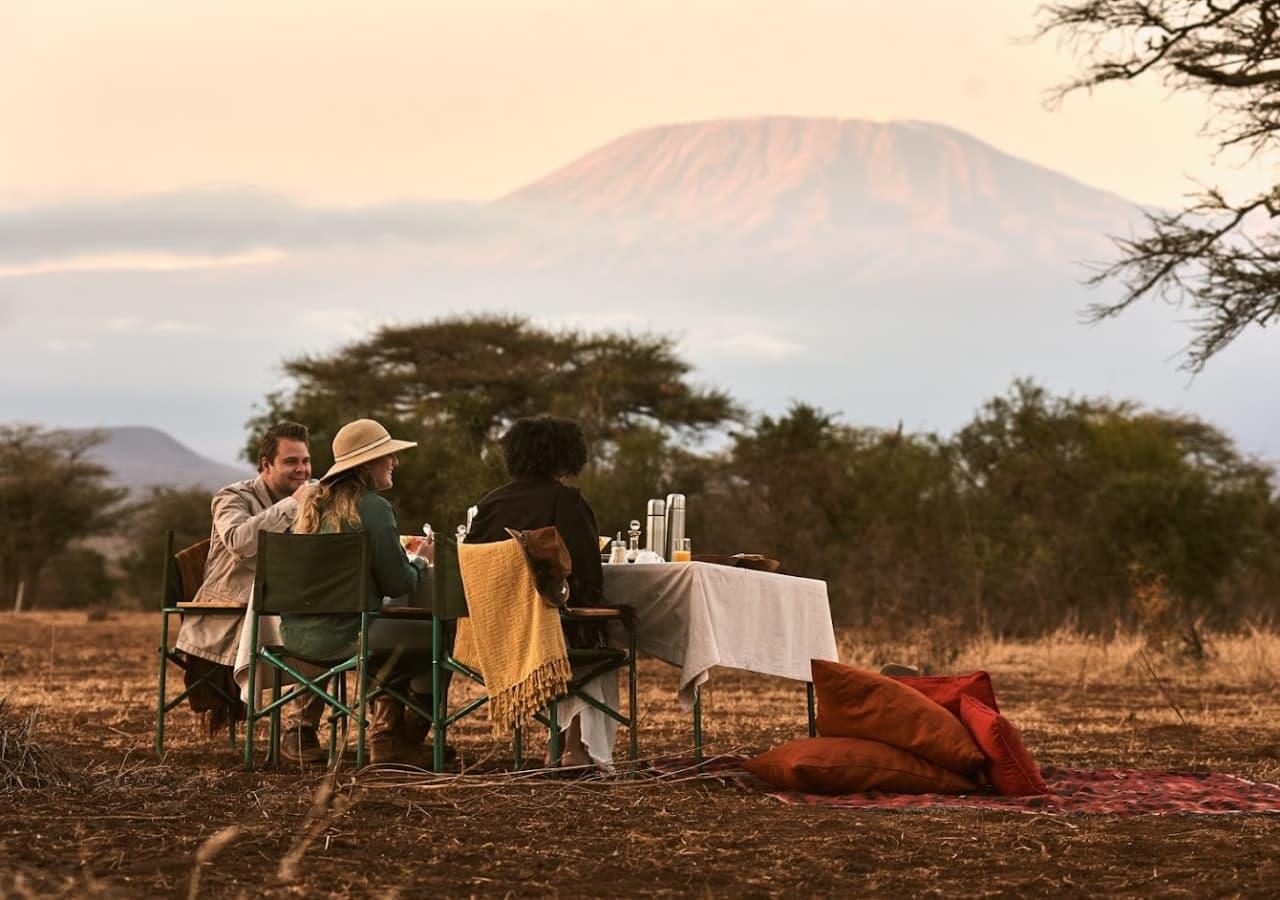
[{"x": 348, "y": 499}]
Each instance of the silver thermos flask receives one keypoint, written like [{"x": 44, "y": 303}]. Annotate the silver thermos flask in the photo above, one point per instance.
[
  {"x": 675, "y": 524},
  {"x": 655, "y": 528}
]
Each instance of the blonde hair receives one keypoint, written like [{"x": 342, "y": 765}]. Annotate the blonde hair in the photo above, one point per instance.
[{"x": 330, "y": 506}]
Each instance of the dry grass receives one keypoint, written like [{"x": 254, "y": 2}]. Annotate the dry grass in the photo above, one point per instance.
[
  {"x": 1249, "y": 659},
  {"x": 195, "y": 824},
  {"x": 24, "y": 764}
]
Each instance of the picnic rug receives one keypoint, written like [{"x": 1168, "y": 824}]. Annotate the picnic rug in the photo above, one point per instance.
[{"x": 1125, "y": 792}]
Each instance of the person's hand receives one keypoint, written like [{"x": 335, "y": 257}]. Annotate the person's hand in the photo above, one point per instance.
[
  {"x": 305, "y": 489},
  {"x": 424, "y": 548}
]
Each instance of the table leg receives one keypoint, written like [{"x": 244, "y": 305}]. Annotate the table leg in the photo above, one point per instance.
[
  {"x": 813, "y": 723},
  {"x": 697, "y": 724}
]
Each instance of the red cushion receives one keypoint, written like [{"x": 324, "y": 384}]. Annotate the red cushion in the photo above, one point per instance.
[
  {"x": 827, "y": 765},
  {"x": 856, "y": 703},
  {"x": 1010, "y": 768},
  {"x": 946, "y": 690}
]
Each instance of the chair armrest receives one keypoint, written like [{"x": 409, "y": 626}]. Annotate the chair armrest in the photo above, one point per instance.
[
  {"x": 213, "y": 605},
  {"x": 624, "y": 613},
  {"x": 404, "y": 612}
]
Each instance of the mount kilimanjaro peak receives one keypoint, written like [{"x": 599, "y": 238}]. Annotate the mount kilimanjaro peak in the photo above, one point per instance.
[{"x": 822, "y": 188}]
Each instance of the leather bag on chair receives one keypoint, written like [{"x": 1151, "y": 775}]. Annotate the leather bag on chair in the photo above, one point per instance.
[{"x": 549, "y": 560}]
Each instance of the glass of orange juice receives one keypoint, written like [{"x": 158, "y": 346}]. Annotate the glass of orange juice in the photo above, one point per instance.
[{"x": 683, "y": 552}]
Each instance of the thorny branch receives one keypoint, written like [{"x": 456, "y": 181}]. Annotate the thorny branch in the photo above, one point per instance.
[{"x": 1219, "y": 257}]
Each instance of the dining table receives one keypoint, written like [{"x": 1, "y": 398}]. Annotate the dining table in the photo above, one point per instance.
[{"x": 701, "y": 615}]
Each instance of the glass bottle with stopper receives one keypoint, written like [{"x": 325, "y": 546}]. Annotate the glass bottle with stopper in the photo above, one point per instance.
[{"x": 633, "y": 549}]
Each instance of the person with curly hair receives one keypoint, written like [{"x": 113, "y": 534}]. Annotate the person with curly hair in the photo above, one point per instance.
[{"x": 539, "y": 452}]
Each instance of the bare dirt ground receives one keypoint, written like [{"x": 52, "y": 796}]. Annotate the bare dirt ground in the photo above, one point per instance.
[{"x": 125, "y": 824}]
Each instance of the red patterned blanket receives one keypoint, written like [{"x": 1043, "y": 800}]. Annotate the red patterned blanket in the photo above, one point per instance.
[{"x": 1128, "y": 792}]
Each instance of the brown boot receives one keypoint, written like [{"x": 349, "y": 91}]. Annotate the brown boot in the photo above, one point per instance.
[
  {"x": 414, "y": 728},
  {"x": 386, "y": 743},
  {"x": 301, "y": 745},
  {"x": 415, "y": 732}
]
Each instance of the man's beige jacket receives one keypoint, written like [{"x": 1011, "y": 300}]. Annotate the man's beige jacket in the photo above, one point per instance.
[{"x": 240, "y": 512}]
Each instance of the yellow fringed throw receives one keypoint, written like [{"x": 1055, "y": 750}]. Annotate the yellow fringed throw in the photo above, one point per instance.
[{"x": 512, "y": 638}]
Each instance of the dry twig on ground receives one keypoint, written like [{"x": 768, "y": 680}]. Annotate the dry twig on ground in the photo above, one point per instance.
[{"x": 24, "y": 764}]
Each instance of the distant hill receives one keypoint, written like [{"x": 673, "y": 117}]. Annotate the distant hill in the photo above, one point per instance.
[{"x": 141, "y": 457}]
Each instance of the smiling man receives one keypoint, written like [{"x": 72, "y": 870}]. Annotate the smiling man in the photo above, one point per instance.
[{"x": 240, "y": 512}]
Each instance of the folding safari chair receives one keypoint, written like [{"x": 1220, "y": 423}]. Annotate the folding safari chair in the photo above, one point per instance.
[
  {"x": 316, "y": 574},
  {"x": 183, "y": 573},
  {"x": 450, "y": 605}
]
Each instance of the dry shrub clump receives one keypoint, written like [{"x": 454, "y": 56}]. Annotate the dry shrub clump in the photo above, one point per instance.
[
  {"x": 24, "y": 764},
  {"x": 932, "y": 646},
  {"x": 1170, "y": 629}
]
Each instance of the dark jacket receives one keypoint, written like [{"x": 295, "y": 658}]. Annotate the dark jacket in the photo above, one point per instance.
[{"x": 536, "y": 503}]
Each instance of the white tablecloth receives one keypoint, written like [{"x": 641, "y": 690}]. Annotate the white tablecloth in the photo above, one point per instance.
[{"x": 699, "y": 615}]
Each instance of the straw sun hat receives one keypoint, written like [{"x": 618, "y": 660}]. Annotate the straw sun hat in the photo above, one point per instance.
[{"x": 359, "y": 442}]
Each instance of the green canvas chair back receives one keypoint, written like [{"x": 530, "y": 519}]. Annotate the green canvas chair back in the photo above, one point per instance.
[
  {"x": 312, "y": 573},
  {"x": 448, "y": 600}
]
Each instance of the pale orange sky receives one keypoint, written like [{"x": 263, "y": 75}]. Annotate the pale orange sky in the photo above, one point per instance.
[{"x": 339, "y": 102}]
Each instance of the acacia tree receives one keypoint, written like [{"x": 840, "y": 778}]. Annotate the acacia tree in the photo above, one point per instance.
[
  {"x": 455, "y": 384},
  {"x": 185, "y": 510},
  {"x": 1218, "y": 256},
  {"x": 51, "y": 494}
]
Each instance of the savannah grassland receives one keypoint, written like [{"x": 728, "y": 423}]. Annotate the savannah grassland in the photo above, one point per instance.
[{"x": 110, "y": 820}]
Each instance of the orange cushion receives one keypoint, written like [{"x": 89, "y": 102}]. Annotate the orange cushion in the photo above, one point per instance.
[
  {"x": 946, "y": 690},
  {"x": 860, "y": 704},
  {"x": 1010, "y": 768},
  {"x": 829, "y": 765}
]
